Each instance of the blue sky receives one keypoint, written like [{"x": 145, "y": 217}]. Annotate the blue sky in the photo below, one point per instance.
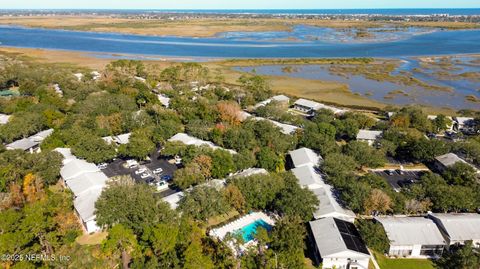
[{"x": 238, "y": 4}]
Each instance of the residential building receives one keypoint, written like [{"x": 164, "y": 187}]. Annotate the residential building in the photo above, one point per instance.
[
  {"x": 445, "y": 161},
  {"x": 282, "y": 99},
  {"x": 464, "y": 124},
  {"x": 310, "y": 107},
  {"x": 190, "y": 140},
  {"x": 122, "y": 139},
  {"x": 416, "y": 237},
  {"x": 457, "y": 228},
  {"x": 450, "y": 119},
  {"x": 31, "y": 143},
  {"x": 284, "y": 128},
  {"x": 174, "y": 199},
  {"x": 337, "y": 244},
  {"x": 369, "y": 136},
  {"x": 86, "y": 182},
  {"x": 249, "y": 172},
  {"x": 4, "y": 119},
  {"x": 305, "y": 162},
  {"x": 164, "y": 100},
  {"x": 304, "y": 156}
]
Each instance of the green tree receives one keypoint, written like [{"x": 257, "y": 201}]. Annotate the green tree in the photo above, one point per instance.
[
  {"x": 373, "y": 234},
  {"x": 93, "y": 148},
  {"x": 259, "y": 191},
  {"x": 203, "y": 202},
  {"x": 121, "y": 243},
  {"x": 364, "y": 155},
  {"x": 222, "y": 163},
  {"x": 138, "y": 147},
  {"x": 462, "y": 257},
  {"x": 461, "y": 174}
]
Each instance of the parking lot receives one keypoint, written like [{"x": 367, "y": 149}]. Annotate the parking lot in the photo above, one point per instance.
[
  {"x": 118, "y": 168},
  {"x": 399, "y": 179}
]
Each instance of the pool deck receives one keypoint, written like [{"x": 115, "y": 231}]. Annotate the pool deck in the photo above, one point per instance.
[{"x": 238, "y": 224}]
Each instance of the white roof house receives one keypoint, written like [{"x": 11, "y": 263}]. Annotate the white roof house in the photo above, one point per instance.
[
  {"x": 287, "y": 129},
  {"x": 450, "y": 159},
  {"x": 338, "y": 244},
  {"x": 77, "y": 167},
  {"x": 118, "y": 139},
  {"x": 164, "y": 100},
  {"x": 304, "y": 156},
  {"x": 369, "y": 136},
  {"x": 86, "y": 182},
  {"x": 249, "y": 172},
  {"x": 329, "y": 206},
  {"x": 190, "y": 140},
  {"x": 412, "y": 236},
  {"x": 305, "y": 161},
  {"x": 4, "y": 119},
  {"x": 309, "y": 106},
  {"x": 174, "y": 199},
  {"x": 31, "y": 142},
  {"x": 277, "y": 98},
  {"x": 458, "y": 227}
]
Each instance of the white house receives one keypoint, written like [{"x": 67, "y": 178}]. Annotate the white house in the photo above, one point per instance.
[
  {"x": 457, "y": 228},
  {"x": 287, "y": 129},
  {"x": 31, "y": 143},
  {"x": 164, "y": 100},
  {"x": 249, "y": 172},
  {"x": 464, "y": 124},
  {"x": 309, "y": 107},
  {"x": 305, "y": 161},
  {"x": 449, "y": 125},
  {"x": 304, "y": 156},
  {"x": 122, "y": 139},
  {"x": 337, "y": 244},
  {"x": 369, "y": 136},
  {"x": 86, "y": 182},
  {"x": 4, "y": 119},
  {"x": 174, "y": 199},
  {"x": 277, "y": 98},
  {"x": 190, "y": 140},
  {"x": 415, "y": 237},
  {"x": 445, "y": 161}
]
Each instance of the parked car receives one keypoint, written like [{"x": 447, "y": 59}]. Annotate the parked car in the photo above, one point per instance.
[
  {"x": 140, "y": 171},
  {"x": 166, "y": 178},
  {"x": 131, "y": 163},
  {"x": 102, "y": 166},
  {"x": 162, "y": 185},
  {"x": 399, "y": 171},
  {"x": 145, "y": 175},
  {"x": 158, "y": 171},
  {"x": 390, "y": 172}
]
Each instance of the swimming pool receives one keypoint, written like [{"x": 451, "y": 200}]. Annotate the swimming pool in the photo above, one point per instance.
[{"x": 248, "y": 232}]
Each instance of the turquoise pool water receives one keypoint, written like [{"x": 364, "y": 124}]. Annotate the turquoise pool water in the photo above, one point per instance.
[{"x": 248, "y": 232}]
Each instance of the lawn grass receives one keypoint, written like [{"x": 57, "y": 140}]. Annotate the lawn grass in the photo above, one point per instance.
[
  {"x": 92, "y": 239},
  {"x": 386, "y": 263}
]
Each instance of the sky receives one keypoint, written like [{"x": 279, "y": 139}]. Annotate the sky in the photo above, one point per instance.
[{"x": 234, "y": 4}]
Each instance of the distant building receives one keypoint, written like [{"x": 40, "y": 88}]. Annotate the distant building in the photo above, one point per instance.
[
  {"x": 464, "y": 124},
  {"x": 304, "y": 156},
  {"x": 193, "y": 141},
  {"x": 174, "y": 199},
  {"x": 122, "y": 139},
  {"x": 457, "y": 228},
  {"x": 87, "y": 182},
  {"x": 4, "y": 119},
  {"x": 305, "y": 162},
  {"x": 450, "y": 119},
  {"x": 164, "y": 100},
  {"x": 284, "y": 128},
  {"x": 337, "y": 244},
  {"x": 415, "y": 237},
  {"x": 369, "y": 136},
  {"x": 249, "y": 172},
  {"x": 310, "y": 107},
  {"x": 445, "y": 161},
  {"x": 31, "y": 143},
  {"x": 277, "y": 98}
]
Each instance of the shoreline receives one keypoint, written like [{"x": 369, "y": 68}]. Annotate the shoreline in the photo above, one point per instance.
[{"x": 333, "y": 93}]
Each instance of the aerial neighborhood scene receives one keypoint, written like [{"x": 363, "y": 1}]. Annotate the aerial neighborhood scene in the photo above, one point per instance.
[{"x": 240, "y": 134}]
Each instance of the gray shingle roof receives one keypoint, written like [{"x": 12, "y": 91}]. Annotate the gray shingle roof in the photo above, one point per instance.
[
  {"x": 460, "y": 226},
  {"x": 304, "y": 156}
]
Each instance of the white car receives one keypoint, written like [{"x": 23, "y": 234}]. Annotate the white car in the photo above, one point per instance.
[
  {"x": 158, "y": 171},
  {"x": 102, "y": 166},
  {"x": 162, "y": 185},
  {"x": 140, "y": 171},
  {"x": 144, "y": 175}
]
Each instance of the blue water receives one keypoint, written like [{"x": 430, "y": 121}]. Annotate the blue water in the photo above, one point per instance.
[
  {"x": 393, "y": 11},
  {"x": 432, "y": 43},
  {"x": 248, "y": 232}
]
